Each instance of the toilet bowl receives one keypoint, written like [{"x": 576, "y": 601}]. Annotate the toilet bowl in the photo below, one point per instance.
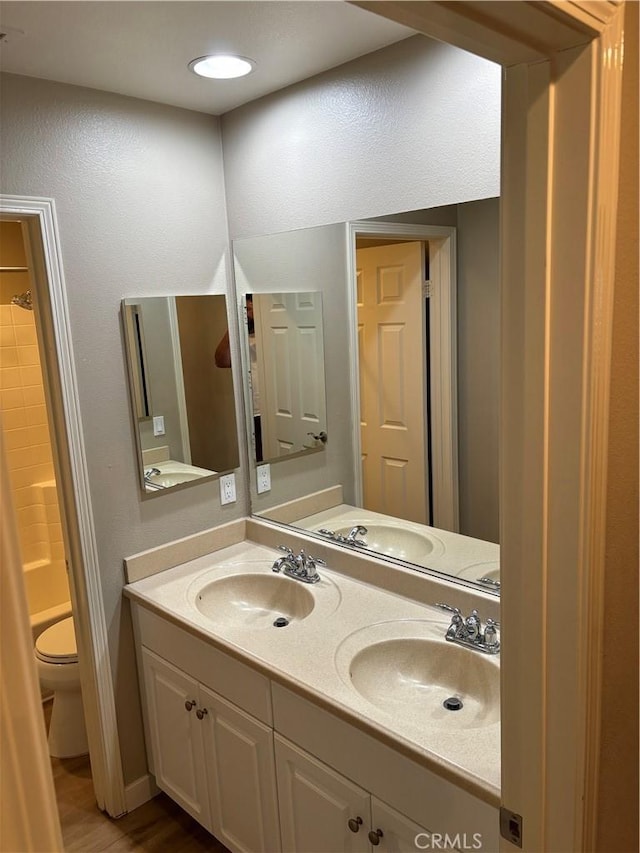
[{"x": 57, "y": 661}]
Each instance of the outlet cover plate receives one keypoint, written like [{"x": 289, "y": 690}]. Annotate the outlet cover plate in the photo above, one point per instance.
[
  {"x": 228, "y": 489},
  {"x": 263, "y": 478}
]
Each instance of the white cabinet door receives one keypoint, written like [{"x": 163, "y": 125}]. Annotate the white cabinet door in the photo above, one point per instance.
[
  {"x": 317, "y": 804},
  {"x": 241, "y": 777},
  {"x": 396, "y": 833},
  {"x": 176, "y": 736}
]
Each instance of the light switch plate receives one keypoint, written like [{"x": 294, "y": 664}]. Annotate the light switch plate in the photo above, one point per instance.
[
  {"x": 158, "y": 425},
  {"x": 263, "y": 478},
  {"x": 228, "y": 489}
]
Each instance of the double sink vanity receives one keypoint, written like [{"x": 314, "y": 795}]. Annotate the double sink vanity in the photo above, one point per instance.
[
  {"x": 319, "y": 703},
  {"x": 322, "y": 677}
]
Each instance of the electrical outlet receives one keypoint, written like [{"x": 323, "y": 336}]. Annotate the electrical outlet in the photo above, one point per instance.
[
  {"x": 263, "y": 478},
  {"x": 228, "y": 489},
  {"x": 158, "y": 425}
]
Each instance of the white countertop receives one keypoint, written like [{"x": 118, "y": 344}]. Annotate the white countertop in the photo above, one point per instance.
[{"x": 312, "y": 655}]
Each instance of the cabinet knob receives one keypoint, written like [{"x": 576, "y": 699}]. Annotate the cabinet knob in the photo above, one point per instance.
[
  {"x": 374, "y": 837},
  {"x": 189, "y": 704},
  {"x": 354, "y": 823},
  {"x": 200, "y": 713}
]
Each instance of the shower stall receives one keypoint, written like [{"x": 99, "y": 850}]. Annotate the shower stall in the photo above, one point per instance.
[{"x": 25, "y": 426}]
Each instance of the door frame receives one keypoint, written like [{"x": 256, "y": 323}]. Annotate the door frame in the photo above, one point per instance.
[
  {"x": 42, "y": 242},
  {"x": 443, "y": 369},
  {"x": 562, "y": 83}
]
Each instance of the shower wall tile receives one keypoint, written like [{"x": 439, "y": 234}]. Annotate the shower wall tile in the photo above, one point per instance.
[
  {"x": 26, "y": 336},
  {"x": 34, "y": 396}
]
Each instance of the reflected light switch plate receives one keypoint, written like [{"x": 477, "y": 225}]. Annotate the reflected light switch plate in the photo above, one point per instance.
[
  {"x": 263, "y": 478},
  {"x": 228, "y": 489},
  {"x": 158, "y": 425}
]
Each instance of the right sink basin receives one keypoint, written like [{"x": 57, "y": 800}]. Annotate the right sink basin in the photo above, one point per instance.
[{"x": 408, "y": 670}]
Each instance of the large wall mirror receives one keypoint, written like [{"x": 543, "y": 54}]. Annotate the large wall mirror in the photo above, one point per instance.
[
  {"x": 411, "y": 366},
  {"x": 182, "y": 402}
]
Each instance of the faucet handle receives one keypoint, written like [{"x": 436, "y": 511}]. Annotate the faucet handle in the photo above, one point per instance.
[
  {"x": 455, "y": 610},
  {"x": 286, "y": 549},
  {"x": 491, "y": 635}
]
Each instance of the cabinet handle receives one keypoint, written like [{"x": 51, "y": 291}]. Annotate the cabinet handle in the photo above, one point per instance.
[
  {"x": 189, "y": 704},
  {"x": 374, "y": 837},
  {"x": 200, "y": 713},
  {"x": 354, "y": 823}
]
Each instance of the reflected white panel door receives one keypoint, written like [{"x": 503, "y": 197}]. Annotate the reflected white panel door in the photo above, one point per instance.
[
  {"x": 392, "y": 353},
  {"x": 290, "y": 346},
  {"x": 316, "y": 805},
  {"x": 399, "y": 834},
  {"x": 241, "y": 777},
  {"x": 176, "y": 736}
]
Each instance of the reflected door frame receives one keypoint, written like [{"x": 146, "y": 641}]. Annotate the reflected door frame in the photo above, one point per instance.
[{"x": 443, "y": 359}]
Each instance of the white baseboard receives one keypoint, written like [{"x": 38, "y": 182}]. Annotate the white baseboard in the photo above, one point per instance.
[{"x": 140, "y": 792}]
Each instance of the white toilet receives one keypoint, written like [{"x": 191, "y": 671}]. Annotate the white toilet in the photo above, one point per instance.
[{"x": 57, "y": 659}]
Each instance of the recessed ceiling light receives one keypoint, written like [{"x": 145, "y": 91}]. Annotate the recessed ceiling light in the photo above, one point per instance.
[{"x": 221, "y": 66}]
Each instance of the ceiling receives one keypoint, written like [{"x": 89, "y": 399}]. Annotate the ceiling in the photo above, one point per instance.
[{"x": 142, "y": 49}]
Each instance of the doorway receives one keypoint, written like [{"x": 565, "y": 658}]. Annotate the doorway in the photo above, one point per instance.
[
  {"x": 393, "y": 351},
  {"x": 409, "y": 278},
  {"x": 36, "y": 220}
]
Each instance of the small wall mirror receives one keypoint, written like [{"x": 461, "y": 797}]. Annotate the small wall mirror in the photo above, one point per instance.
[
  {"x": 285, "y": 342},
  {"x": 182, "y": 403}
]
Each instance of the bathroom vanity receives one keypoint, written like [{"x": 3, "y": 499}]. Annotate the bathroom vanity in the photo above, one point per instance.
[{"x": 296, "y": 716}]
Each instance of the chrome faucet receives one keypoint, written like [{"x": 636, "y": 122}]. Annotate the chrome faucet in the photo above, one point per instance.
[
  {"x": 352, "y": 536},
  {"x": 152, "y": 472},
  {"x": 468, "y": 632},
  {"x": 300, "y": 566},
  {"x": 349, "y": 539}
]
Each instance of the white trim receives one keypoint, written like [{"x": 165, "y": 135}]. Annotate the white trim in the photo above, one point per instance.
[
  {"x": 444, "y": 377},
  {"x": 140, "y": 792},
  {"x": 179, "y": 377},
  {"x": 89, "y": 616}
]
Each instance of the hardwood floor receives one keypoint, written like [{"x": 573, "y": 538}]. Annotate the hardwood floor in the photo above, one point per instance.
[{"x": 159, "y": 826}]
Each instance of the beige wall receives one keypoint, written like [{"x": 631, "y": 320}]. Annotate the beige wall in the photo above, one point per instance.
[
  {"x": 618, "y": 783},
  {"x": 140, "y": 203},
  {"x": 414, "y": 125},
  {"x": 479, "y": 367},
  {"x": 26, "y": 435}
]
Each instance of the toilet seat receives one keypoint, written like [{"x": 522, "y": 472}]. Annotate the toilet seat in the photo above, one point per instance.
[{"x": 58, "y": 643}]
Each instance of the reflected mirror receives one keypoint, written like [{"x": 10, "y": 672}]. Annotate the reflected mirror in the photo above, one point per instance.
[
  {"x": 284, "y": 340},
  {"x": 412, "y": 373},
  {"x": 182, "y": 403}
]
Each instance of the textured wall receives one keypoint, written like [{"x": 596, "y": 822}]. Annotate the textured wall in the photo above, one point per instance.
[
  {"x": 415, "y": 125},
  {"x": 479, "y": 367},
  {"x": 140, "y": 202}
]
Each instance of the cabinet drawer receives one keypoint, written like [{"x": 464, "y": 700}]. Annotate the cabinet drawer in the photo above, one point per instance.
[
  {"x": 414, "y": 791},
  {"x": 232, "y": 679}
]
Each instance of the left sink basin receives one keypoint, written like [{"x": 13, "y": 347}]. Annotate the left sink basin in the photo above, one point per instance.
[{"x": 255, "y": 600}]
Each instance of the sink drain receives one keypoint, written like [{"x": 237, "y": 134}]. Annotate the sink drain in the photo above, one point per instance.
[
  {"x": 281, "y": 622},
  {"x": 453, "y": 703}
]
